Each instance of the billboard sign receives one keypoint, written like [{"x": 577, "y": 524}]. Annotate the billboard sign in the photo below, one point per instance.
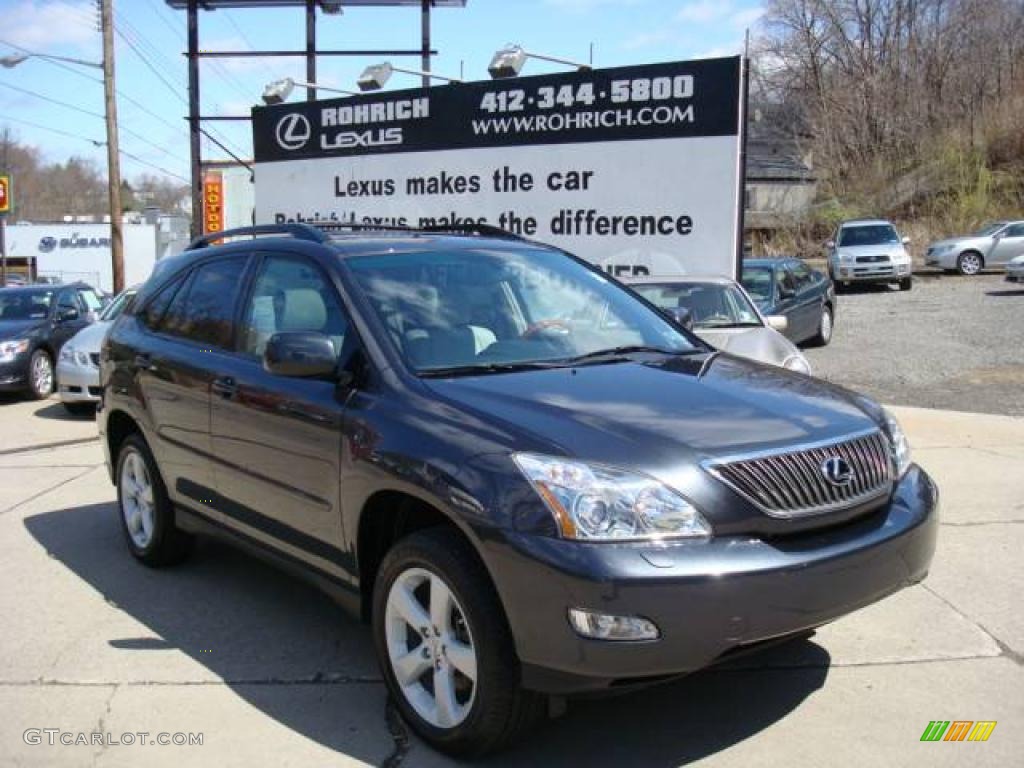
[{"x": 635, "y": 168}]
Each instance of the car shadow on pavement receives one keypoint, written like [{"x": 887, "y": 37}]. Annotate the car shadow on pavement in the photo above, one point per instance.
[
  {"x": 1006, "y": 292},
  {"x": 255, "y": 627},
  {"x": 51, "y": 409}
]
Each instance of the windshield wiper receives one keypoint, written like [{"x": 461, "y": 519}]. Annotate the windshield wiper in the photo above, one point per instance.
[
  {"x": 620, "y": 352},
  {"x": 482, "y": 368}
]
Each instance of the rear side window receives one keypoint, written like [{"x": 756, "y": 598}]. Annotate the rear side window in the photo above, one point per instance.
[
  {"x": 155, "y": 309},
  {"x": 204, "y": 309}
]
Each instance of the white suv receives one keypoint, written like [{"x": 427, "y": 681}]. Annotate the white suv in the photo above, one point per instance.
[{"x": 869, "y": 251}]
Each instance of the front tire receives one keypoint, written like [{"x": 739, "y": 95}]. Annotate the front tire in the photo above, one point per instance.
[
  {"x": 147, "y": 515},
  {"x": 40, "y": 375},
  {"x": 906, "y": 284},
  {"x": 825, "y": 326},
  {"x": 446, "y": 648}
]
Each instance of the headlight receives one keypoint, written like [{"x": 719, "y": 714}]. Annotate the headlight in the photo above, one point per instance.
[
  {"x": 11, "y": 349},
  {"x": 846, "y": 258},
  {"x": 797, "y": 363},
  {"x": 944, "y": 248},
  {"x": 900, "y": 446},
  {"x": 596, "y": 503},
  {"x": 69, "y": 354}
]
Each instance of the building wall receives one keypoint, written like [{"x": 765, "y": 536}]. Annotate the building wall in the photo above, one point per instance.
[{"x": 82, "y": 251}]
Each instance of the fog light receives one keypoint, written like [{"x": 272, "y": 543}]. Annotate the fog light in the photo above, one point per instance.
[{"x": 602, "y": 626}]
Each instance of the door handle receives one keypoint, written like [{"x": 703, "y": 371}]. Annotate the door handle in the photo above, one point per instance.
[{"x": 225, "y": 386}]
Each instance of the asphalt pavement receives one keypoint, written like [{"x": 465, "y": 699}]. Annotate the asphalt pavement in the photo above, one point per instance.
[{"x": 270, "y": 672}]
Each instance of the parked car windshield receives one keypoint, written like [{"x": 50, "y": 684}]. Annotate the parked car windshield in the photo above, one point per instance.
[
  {"x": 868, "y": 234},
  {"x": 495, "y": 308},
  {"x": 758, "y": 282},
  {"x": 711, "y": 305},
  {"x": 116, "y": 307},
  {"x": 990, "y": 229},
  {"x": 20, "y": 304}
]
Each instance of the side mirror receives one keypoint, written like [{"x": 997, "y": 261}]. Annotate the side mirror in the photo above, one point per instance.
[
  {"x": 66, "y": 314},
  {"x": 786, "y": 293},
  {"x": 300, "y": 354},
  {"x": 680, "y": 316},
  {"x": 778, "y": 322},
  {"x": 905, "y": 241}
]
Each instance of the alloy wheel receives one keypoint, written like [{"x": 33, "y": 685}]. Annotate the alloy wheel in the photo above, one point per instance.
[
  {"x": 42, "y": 374},
  {"x": 430, "y": 648},
  {"x": 970, "y": 263},
  {"x": 826, "y": 326},
  {"x": 137, "y": 504}
]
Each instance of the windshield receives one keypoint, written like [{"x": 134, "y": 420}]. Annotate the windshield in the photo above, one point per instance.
[
  {"x": 25, "y": 305},
  {"x": 758, "y": 282},
  {"x": 489, "y": 308},
  {"x": 990, "y": 229},
  {"x": 869, "y": 234},
  {"x": 711, "y": 305},
  {"x": 116, "y": 307}
]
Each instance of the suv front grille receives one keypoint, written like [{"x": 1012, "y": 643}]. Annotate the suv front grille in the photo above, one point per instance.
[
  {"x": 872, "y": 259},
  {"x": 795, "y": 483}
]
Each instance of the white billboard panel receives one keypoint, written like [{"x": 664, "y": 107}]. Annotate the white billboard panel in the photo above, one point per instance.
[{"x": 635, "y": 169}]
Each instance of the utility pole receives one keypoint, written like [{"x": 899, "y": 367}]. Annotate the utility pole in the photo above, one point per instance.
[{"x": 113, "y": 150}]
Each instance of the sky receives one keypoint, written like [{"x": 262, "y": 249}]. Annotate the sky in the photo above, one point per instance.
[{"x": 152, "y": 78}]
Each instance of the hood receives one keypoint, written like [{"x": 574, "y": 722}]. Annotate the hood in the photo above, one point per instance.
[
  {"x": 657, "y": 412},
  {"x": 890, "y": 249},
  {"x": 16, "y": 329},
  {"x": 765, "y": 345},
  {"x": 90, "y": 338}
]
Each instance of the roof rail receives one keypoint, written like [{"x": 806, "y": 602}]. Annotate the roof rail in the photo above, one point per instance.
[
  {"x": 487, "y": 230},
  {"x": 296, "y": 230}
]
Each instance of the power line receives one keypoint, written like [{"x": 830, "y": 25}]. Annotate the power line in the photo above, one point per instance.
[
  {"x": 121, "y": 94},
  {"x": 96, "y": 143},
  {"x": 66, "y": 105}
]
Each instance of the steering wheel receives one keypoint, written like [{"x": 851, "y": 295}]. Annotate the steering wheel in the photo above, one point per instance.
[{"x": 543, "y": 325}]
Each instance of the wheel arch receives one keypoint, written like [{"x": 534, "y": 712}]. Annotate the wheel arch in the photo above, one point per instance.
[{"x": 385, "y": 518}]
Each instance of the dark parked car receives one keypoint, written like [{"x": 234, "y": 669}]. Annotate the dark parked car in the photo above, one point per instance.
[
  {"x": 789, "y": 287},
  {"x": 35, "y": 321},
  {"x": 525, "y": 477}
]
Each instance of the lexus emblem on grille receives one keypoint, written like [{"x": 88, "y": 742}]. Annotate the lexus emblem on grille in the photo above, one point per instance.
[{"x": 837, "y": 471}]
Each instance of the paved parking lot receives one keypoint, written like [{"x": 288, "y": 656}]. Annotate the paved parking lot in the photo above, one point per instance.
[
  {"x": 951, "y": 342},
  {"x": 271, "y": 672}
]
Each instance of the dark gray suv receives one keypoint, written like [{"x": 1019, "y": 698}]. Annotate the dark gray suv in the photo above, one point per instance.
[{"x": 526, "y": 478}]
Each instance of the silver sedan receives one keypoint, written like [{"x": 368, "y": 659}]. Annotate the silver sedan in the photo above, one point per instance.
[
  {"x": 993, "y": 245},
  {"x": 722, "y": 314}
]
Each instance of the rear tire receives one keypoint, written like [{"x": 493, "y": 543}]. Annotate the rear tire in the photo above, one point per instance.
[
  {"x": 147, "y": 515},
  {"x": 414, "y": 634},
  {"x": 825, "y": 327},
  {"x": 970, "y": 263}
]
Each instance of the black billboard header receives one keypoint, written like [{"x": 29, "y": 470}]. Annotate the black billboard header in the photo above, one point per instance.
[{"x": 671, "y": 100}]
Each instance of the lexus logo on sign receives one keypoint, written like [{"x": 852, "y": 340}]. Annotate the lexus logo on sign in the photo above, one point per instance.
[
  {"x": 293, "y": 131},
  {"x": 837, "y": 471}
]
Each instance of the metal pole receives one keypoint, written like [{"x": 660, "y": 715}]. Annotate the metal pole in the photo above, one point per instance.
[
  {"x": 113, "y": 154},
  {"x": 310, "y": 48},
  {"x": 195, "y": 147},
  {"x": 425, "y": 38},
  {"x": 3, "y": 251}
]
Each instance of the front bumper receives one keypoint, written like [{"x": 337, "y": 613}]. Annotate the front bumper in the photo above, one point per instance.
[
  {"x": 881, "y": 272},
  {"x": 14, "y": 375},
  {"x": 78, "y": 384},
  {"x": 707, "y": 598}
]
